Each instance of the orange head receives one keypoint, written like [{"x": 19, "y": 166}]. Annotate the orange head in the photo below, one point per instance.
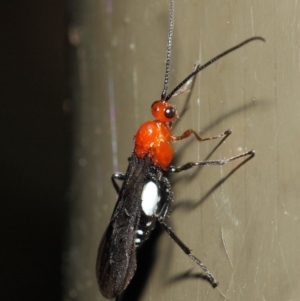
[{"x": 164, "y": 111}]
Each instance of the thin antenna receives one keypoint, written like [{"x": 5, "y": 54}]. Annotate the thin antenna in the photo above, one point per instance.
[
  {"x": 201, "y": 67},
  {"x": 169, "y": 44}
]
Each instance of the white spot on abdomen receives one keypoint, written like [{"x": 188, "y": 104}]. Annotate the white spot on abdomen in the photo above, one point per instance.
[{"x": 150, "y": 198}]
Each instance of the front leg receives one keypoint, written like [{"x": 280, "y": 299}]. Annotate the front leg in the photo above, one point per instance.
[{"x": 189, "y": 132}]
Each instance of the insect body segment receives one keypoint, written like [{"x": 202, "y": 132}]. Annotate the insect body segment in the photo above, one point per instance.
[
  {"x": 116, "y": 261},
  {"x": 150, "y": 198},
  {"x": 153, "y": 137}
]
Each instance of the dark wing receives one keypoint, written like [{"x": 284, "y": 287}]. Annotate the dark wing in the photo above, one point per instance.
[{"x": 116, "y": 262}]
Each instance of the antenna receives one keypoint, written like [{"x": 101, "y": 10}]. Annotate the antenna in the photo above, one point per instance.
[
  {"x": 169, "y": 44},
  {"x": 201, "y": 67}
]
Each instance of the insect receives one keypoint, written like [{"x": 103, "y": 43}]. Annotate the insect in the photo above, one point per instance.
[{"x": 146, "y": 194}]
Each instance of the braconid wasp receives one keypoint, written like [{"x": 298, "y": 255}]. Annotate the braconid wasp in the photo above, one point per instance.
[{"x": 146, "y": 194}]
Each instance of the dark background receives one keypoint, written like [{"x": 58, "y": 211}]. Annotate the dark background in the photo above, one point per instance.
[{"x": 35, "y": 147}]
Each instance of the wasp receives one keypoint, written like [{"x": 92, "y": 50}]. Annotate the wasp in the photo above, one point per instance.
[{"x": 146, "y": 193}]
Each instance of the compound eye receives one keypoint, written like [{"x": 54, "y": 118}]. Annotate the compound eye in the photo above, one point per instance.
[{"x": 170, "y": 112}]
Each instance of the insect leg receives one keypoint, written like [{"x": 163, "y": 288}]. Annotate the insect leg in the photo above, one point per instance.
[
  {"x": 189, "y": 132},
  {"x": 166, "y": 188},
  {"x": 187, "y": 251},
  {"x": 168, "y": 198},
  {"x": 117, "y": 176},
  {"x": 189, "y": 165}
]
